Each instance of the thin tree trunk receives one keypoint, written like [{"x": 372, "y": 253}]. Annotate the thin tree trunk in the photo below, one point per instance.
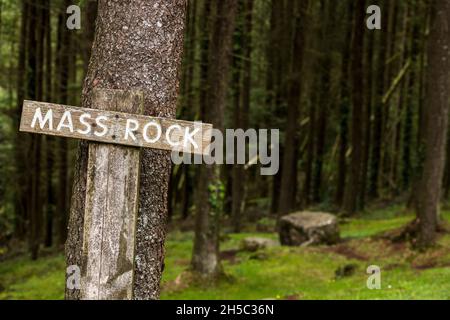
[
  {"x": 35, "y": 51},
  {"x": 410, "y": 176},
  {"x": 20, "y": 194},
  {"x": 186, "y": 102},
  {"x": 187, "y": 188},
  {"x": 375, "y": 164},
  {"x": 352, "y": 204},
  {"x": 63, "y": 69},
  {"x": 310, "y": 153},
  {"x": 273, "y": 85},
  {"x": 289, "y": 174},
  {"x": 242, "y": 121},
  {"x": 367, "y": 120},
  {"x": 324, "y": 99},
  {"x": 344, "y": 111},
  {"x": 401, "y": 102},
  {"x": 236, "y": 186},
  {"x": 205, "y": 258},
  {"x": 49, "y": 168},
  {"x": 1, "y": 16}
]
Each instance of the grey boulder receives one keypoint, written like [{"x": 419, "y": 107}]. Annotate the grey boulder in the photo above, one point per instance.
[{"x": 308, "y": 228}]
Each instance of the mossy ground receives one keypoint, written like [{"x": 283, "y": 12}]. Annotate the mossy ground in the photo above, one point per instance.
[{"x": 279, "y": 272}]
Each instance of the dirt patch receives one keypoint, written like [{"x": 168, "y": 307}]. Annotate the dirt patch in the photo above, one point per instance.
[
  {"x": 437, "y": 258},
  {"x": 397, "y": 247},
  {"x": 182, "y": 281},
  {"x": 424, "y": 266},
  {"x": 229, "y": 255},
  {"x": 392, "y": 266},
  {"x": 294, "y": 296},
  {"x": 348, "y": 252},
  {"x": 182, "y": 262}
]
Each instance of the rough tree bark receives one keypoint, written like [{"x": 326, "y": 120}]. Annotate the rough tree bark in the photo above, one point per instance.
[
  {"x": 90, "y": 13},
  {"x": 138, "y": 45},
  {"x": 205, "y": 259},
  {"x": 435, "y": 123}
]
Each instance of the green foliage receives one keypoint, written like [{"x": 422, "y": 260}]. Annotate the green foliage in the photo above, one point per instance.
[
  {"x": 216, "y": 190},
  {"x": 22, "y": 278}
]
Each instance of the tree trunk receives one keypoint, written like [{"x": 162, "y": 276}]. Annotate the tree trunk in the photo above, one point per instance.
[
  {"x": 344, "y": 110},
  {"x": 236, "y": 174},
  {"x": 20, "y": 194},
  {"x": 402, "y": 99},
  {"x": 273, "y": 84},
  {"x": 50, "y": 199},
  {"x": 64, "y": 51},
  {"x": 367, "y": 119},
  {"x": 205, "y": 258},
  {"x": 306, "y": 201},
  {"x": 325, "y": 102},
  {"x": 242, "y": 116},
  {"x": 88, "y": 31},
  {"x": 410, "y": 104},
  {"x": 435, "y": 123},
  {"x": 289, "y": 173},
  {"x": 34, "y": 92},
  {"x": 1, "y": 16},
  {"x": 375, "y": 164},
  {"x": 138, "y": 44},
  {"x": 351, "y": 204}
]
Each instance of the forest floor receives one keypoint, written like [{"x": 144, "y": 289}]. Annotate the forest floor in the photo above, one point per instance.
[{"x": 278, "y": 272}]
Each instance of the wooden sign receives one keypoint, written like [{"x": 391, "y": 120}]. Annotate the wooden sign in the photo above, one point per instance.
[
  {"x": 115, "y": 127},
  {"x": 111, "y": 208}
]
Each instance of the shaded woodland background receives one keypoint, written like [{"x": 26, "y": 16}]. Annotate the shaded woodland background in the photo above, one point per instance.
[{"x": 351, "y": 104}]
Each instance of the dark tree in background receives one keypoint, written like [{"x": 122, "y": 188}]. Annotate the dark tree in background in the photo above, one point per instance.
[
  {"x": 243, "y": 77},
  {"x": 435, "y": 123},
  {"x": 205, "y": 257},
  {"x": 351, "y": 204},
  {"x": 289, "y": 173}
]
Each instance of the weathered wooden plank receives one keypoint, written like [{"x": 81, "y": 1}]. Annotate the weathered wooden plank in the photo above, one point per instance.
[
  {"x": 111, "y": 209},
  {"x": 117, "y": 127}
]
